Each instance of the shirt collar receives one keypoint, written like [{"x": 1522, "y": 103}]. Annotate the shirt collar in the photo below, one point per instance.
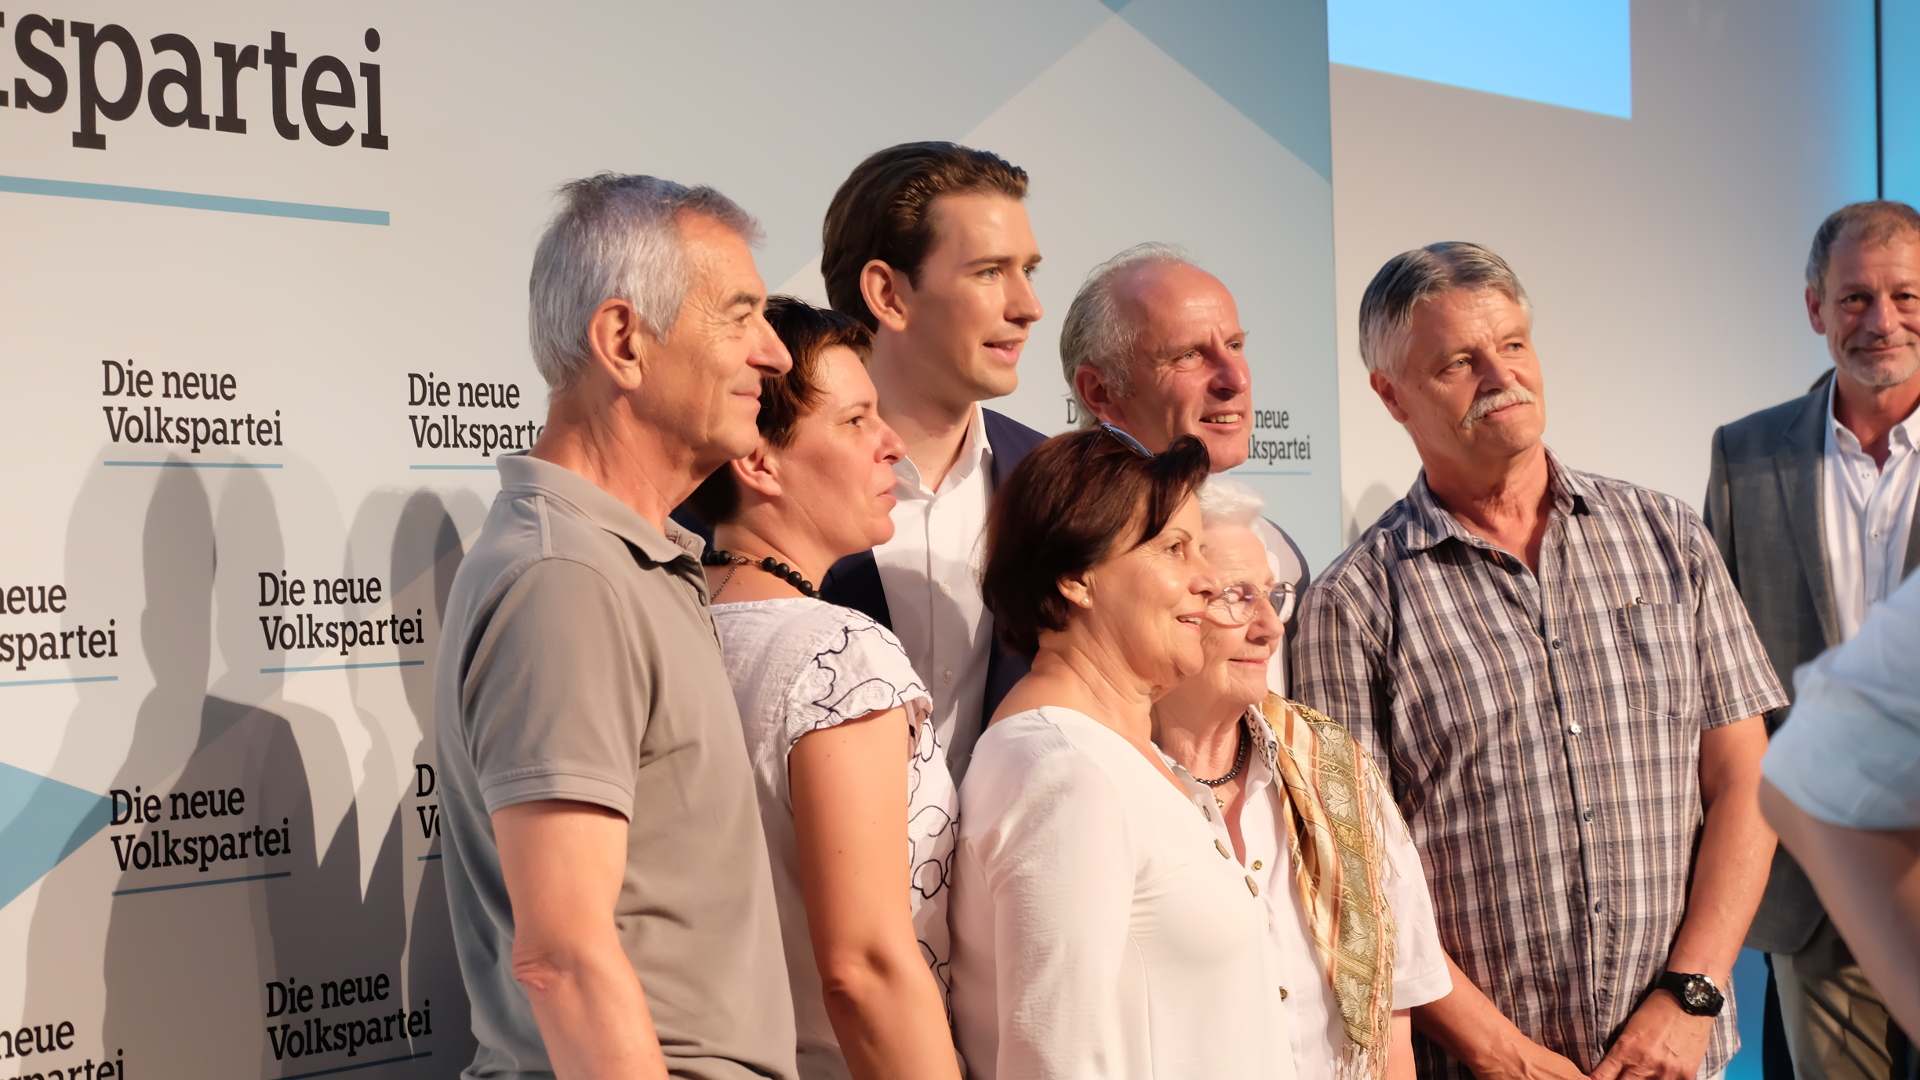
[
  {"x": 521, "y": 473},
  {"x": 1428, "y": 524},
  {"x": 976, "y": 454},
  {"x": 1839, "y": 435}
]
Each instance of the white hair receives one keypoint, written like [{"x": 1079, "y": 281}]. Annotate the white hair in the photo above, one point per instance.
[
  {"x": 1225, "y": 501},
  {"x": 1410, "y": 279},
  {"x": 616, "y": 237},
  {"x": 1097, "y": 334}
]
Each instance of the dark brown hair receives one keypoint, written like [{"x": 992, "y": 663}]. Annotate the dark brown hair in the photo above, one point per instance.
[
  {"x": 807, "y": 332},
  {"x": 884, "y": 211},
  {"x": 1075, "y": 501}
]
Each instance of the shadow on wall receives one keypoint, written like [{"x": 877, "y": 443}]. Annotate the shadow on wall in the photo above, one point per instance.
[
  {"x": 227, "y": 943},
  {"x": 1374, "y": 501}
]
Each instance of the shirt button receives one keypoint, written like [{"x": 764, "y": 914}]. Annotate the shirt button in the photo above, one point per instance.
[
  {"x": 1222, "y": 849},
  {"x": 947, "y": 675},
  {"x": 1252, "y": 885},
  {"x": 1556, "y": 643},
  {"x": 1283, "y": 993},
  {"x": 1207, "y": 812},
  {"x": 1599, "y": 905},
  {"x": 946, "y": 589},
  {"x": 1257, "y": 864},
  {"x": 1574, "y": 728},
  {"x": 1587, "y": 816}
]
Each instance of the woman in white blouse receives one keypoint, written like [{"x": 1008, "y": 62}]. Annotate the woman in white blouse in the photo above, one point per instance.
[
  {"x": 846, "y": 766},
  {"x": 1306, "y": 813},
  {"x": 1098, "y": 929}
]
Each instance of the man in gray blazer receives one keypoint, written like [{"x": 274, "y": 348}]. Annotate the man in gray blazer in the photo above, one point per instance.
[{"x": 1813, "y": 504}]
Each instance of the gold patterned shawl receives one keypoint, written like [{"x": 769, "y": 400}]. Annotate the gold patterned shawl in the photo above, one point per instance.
[{"x": 1341, "y": 867}]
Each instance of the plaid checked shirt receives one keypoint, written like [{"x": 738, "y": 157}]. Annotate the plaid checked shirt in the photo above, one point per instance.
[{"x": 1542, "y": 735}]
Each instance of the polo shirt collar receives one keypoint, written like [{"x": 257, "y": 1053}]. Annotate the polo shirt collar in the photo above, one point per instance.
[
  {"x": 519, "y": 472},
  {"x": 1427, "y": 524}
]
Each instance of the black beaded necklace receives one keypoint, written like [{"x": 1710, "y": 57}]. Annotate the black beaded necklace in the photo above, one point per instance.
[
  {"x": 1239, "y": 758},
  {"x": 717, "y": 557}
]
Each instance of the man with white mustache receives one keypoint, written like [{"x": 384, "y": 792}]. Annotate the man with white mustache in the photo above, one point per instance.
[
  {"x": 1564, "y": 688},
  {"x": 1153, "y": 345}
]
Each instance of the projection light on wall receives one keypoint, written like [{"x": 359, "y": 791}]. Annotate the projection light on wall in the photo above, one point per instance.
[{"x": 1573, "y": 53}]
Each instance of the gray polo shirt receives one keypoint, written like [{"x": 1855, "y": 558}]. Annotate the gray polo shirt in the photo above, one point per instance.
[{"x": 579, "y": 661}]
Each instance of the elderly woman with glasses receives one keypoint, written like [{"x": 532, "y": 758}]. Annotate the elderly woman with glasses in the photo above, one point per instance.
[
  {"x": 1098, "y": 930},
  {"x": 1306, "y": 815}
]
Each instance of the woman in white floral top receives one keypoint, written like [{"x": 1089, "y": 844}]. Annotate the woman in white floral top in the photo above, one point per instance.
[{"x": 834, "y": 716}]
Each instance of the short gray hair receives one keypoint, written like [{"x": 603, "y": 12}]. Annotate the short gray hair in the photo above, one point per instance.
[
  {"x": 1868, "y": 224},
  {"x": 615, "y": 237},
  {"x": 1414, "y": 277},
  {"x": 1097, "y": 334},
  {"x": 1225, "y": 501}
]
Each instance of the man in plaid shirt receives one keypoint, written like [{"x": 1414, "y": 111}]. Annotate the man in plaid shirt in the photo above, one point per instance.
[{"x": 1565, "y": 691}]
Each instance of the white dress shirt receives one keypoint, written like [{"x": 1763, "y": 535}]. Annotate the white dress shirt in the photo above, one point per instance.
[
  {"x": 1420, "y": 976},
  {"x": 930, "y": 572},
  {"x": 1097, "y": 930},
  {"x": 1849, "y": 754},
  {"x": 1867, "y": 512}
]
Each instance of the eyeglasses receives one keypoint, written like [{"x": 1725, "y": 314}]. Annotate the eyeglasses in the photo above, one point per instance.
[
  {"x": 1128, "y": 441},
  {"x": 1239, "y": 603}
]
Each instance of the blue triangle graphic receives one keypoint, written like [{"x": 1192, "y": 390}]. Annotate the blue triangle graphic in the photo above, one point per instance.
[{"x": 42, "y": 821}]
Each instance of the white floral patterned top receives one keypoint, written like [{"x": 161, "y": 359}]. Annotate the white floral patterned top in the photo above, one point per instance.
[{"x": 799, "y": 666}]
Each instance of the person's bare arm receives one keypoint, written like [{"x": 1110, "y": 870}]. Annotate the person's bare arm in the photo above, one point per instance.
[
  {"x": 1468, "y": 1025},
  {"x": 563, "y": 863},
  {"x": 1400, "y": 1046},
  {"x": 1869, "y": 881},
  {"x": 1729, "y": 874},
  {"x": 849, "y": 786}
]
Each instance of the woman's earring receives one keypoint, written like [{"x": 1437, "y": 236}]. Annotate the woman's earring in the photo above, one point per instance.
[{"x": 1086, "y": 601}]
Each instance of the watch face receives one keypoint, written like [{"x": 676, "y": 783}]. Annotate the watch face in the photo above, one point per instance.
[{"x": 1699, "y": 993}]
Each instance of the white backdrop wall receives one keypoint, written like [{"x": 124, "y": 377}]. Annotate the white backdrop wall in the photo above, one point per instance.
[
  {"x": 1663, "y": 253},
  {"x": 218, "y": 853}
]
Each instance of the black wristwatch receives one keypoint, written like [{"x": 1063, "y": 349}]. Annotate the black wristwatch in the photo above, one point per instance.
[{"x": 1696, "y": 993}]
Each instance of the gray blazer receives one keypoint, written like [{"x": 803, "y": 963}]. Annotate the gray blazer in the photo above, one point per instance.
[{"x": 1763, "y": 509}]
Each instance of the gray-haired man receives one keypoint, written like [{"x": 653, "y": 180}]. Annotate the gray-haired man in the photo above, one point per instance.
[
  {"x": 1565, "y": 690},
  {"x": 612, "y": 903},
  {"x": 1153, "y": 345}
]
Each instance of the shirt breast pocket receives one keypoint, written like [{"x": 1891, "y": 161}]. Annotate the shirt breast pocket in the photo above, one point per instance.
[{"x": 1659, "y": 663}]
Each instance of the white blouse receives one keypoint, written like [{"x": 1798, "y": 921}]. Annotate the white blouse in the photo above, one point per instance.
[
  {"x": 1098, "y": 929},
  {"x": 1420, "y": 974},
  {"x": 799, "y": 666}
]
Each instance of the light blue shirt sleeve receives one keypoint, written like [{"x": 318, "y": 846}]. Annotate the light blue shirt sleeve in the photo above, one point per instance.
[{"x": 1849, "y": 754}]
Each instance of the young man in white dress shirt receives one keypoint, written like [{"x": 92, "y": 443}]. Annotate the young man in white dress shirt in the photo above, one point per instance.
[
  {"x": 1152, "y": 344},
  {"x": 928, "y": 244}
]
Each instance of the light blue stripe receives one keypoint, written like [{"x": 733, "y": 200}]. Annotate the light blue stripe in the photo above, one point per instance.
[
  {"x": 362, "y": 1065},
  {"x": 1281, "y": 472},
  {"x": 72, "y": 189},
  {"x": 198, "y": 884},
  {"x": 340, "y": 667},
  {"x": 489, "y": 468},
  {"x": 58, "y": 682},
  {"x": 195, "y": 464}
]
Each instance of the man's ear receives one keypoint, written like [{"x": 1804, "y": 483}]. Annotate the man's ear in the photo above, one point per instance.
[
  {"x": 620, "y": 341},
  {"x": 758, "y": 472},
  {"x": 1818, "y": 320},
  {"x": 1093, "y": 389},
  {"x": 887, "y": 292},
  {"x": 1389, "y": 395}
]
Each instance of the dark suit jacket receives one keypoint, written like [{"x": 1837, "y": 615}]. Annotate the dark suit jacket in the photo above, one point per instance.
[
  {"x": 1763, "y": 509},
  {"x": 855, "y": 580}
]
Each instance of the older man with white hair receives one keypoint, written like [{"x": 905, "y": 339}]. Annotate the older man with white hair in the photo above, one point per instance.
[
  {"x": 1563, "y": 686},
  {"x": 612, "y": 899},
  {"x": 1153, "y": 345}
]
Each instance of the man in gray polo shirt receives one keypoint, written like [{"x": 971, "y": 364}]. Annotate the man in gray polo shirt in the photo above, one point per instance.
[{"x": 612, "y": 903}]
